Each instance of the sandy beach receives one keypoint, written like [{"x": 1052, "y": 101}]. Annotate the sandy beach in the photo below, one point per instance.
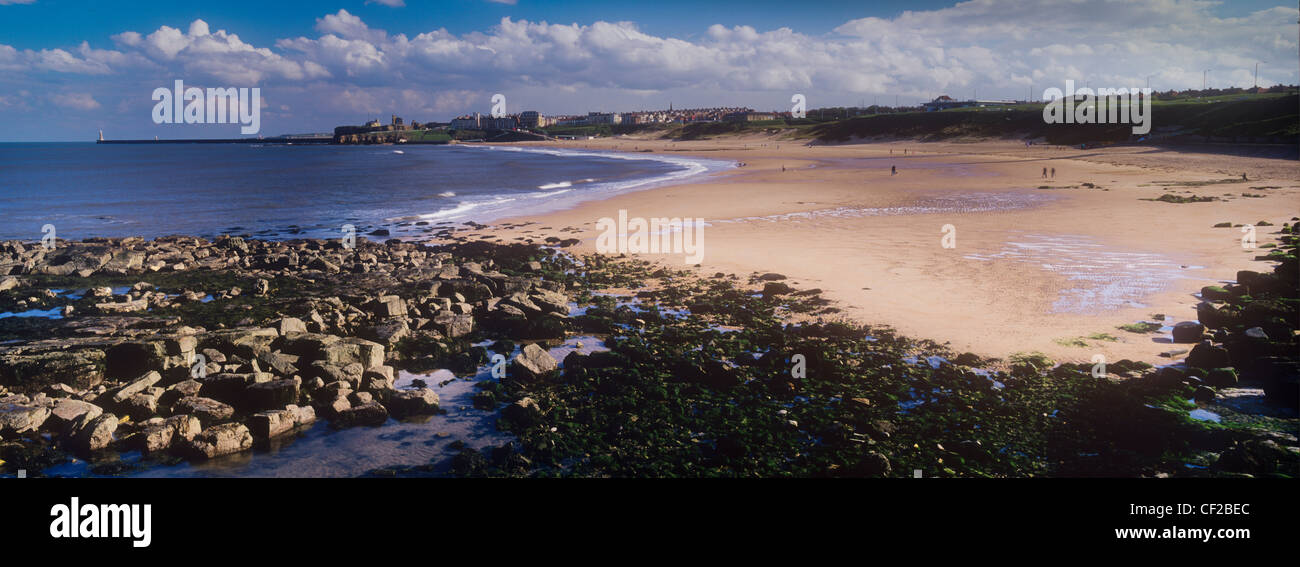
[{"x": 1032, "y": 269}]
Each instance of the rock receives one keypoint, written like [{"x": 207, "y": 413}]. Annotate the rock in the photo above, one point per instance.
[
  {"x": 59, "y": 390},
  {"x": 330, "y": 373},
  {"x": 231, "y": 387},
  {"x": 304, "y": 414},
  {"x": 246, "y": 343},
  {"x": 369, "y": 413},
  {"x": 123, "y": 307},
  {"x": 453, "y": 325},
  {"x": 403, "y": 403},
  {"x": 533, "y": 363},
  {"x": 161, "y": 436},
  {"x": 1215, "y": 293},
  {"x": 136, "y": 386},
  {"x": 290, "y": 325},
  {"x": 141, "y": 406},
  {"x": 218, "y": 440},
  {"x": 1188, "y": 332},
  {"x": 17, "y": 419},
  {"x": 268, "y": 424},
  {"x": 282, "y": 364},
  {"x": 387, "y": 333},
  {"x": 208, "y": 410},
  {"x": 524, "y": 412},
  {"x": 182, "y": 389},
  {"x": 67, "y": 411},
  {"x": 1212, "y": 316},
  {"x": 388, "y": 306},
  {"x": 93, "y": 433},
  {"x": 354, "y": 350},
  {"x": 773, "y": 289},
  {"x": 1256, "y": 333},
  {"x": 269, "y": 395},
  {"x": 82, "y": 369},
  {"x": 1206, "y": 356},
  {"x": 1222, "y": 378},
  {"x": 262, "y": 287}
]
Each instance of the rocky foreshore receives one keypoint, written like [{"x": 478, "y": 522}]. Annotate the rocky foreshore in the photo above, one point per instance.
[{"x": 184, "y": 348}]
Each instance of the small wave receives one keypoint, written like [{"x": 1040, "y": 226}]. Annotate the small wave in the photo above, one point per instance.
[
  {"x": 447, "y": 194},
  {"x": 559, "y": 185},
  {"x": 399, "y": 152}
]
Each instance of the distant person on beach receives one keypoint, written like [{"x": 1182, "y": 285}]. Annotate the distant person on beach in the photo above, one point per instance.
[
  {"x": 1053, "y": 173},
  {"x": 782, "y": 169},
  {"x": 893, "y": 170},
  {"x": 1044, "y": 173}
]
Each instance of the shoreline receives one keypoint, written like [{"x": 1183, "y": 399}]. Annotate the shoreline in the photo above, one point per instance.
[
  {"x": 996, "y": 306},
  {"x": 617, "y": 367}
]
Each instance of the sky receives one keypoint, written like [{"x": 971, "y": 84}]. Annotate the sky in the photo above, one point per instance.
[{"x": 71, "y": 68}]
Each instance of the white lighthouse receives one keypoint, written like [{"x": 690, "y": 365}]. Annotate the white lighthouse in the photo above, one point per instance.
[{"x": 101, "y": 135}]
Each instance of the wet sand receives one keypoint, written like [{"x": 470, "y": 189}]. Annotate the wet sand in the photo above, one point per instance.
[{"x": 1032, "y": 269}]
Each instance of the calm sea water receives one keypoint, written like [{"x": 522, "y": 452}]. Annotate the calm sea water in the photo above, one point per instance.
[{"x": 277, "y": 191}]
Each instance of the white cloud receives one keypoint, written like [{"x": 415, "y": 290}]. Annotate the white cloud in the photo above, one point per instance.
[
  {"x": 389, "y": 3},
  {"x": 78, "y": 101},
  {"x": 996, "y": 47}
]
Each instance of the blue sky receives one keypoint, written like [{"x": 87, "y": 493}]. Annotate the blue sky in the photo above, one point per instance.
[{"x": 69, "y": 68}]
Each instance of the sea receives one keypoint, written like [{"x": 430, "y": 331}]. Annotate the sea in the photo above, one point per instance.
[{"x": 277, "y": 192}]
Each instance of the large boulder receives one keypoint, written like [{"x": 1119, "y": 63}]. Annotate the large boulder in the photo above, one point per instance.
[
  {"x": 403, "y": 403},
  {"x": 230, "y": 387},
  {"x": 1207, "y": 356},
  {"x": 268, "y": 424},
  {"x": 218, "y": 440},
  {"x": 208, "y": 410},
  {"x": 453, "y": 324},
  {"x": 1188, "y": 332},
  {"x": 67, "y": 411},
  {"x": 161, "y": 436},
  {"x": 387, "y": 333},
  {"x": 247, "y": 343},
  {"x": 137, "y": 386},
  {"x": 21, "y": 418},
  {"x": 354, "y": 350},
  {"x": 524, "y": 412},
  {"x": 270, "y": 395},
  {"x": 368, "y": 413},
  {"x": 388, "y": 306},
  {"x": 93, "y": 434},
  {"x": 81, "y": 369},
  {"x": 533, "y": 363}
]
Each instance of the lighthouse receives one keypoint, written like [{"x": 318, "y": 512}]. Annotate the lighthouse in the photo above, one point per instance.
[{"x": 101, "y": 135}]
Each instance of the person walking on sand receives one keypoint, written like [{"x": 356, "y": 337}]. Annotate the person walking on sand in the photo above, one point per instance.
[
  {"x": 893, "y": 170},
  {"x": 1044, "y": 173},
  {"x": 1053, "y": 173}
]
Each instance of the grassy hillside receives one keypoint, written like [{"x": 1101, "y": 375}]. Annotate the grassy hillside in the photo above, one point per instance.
[{"x": 1262, "y": 116}]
